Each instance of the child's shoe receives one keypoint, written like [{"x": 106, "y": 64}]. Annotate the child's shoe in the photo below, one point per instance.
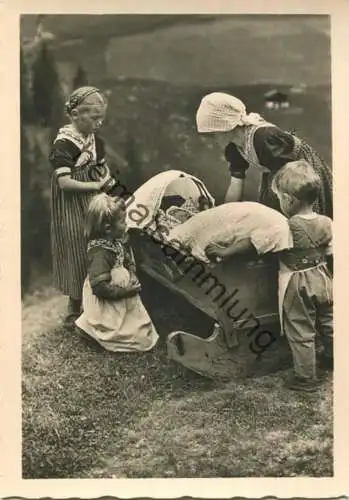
[
  {"x": 74, "y": 311},
  {"x": 303, "y": 384}
]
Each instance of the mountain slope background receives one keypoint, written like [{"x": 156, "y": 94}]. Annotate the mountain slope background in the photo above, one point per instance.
[
  {"x": 197, "y": 49},
  {"x": 156, "y": 69}
]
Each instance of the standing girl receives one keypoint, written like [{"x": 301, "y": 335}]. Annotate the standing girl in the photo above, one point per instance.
[
  {"x": 305, "y": 283},
  {"x": 114, "y": 314},
  {"x": 75, "y": 149}
]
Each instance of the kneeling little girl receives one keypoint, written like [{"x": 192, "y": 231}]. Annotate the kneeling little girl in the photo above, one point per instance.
[{"x": 114, "y": 314}]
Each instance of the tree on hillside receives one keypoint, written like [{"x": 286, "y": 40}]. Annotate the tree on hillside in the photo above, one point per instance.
[
  {"x": 26, "y": 104},
  {"x": 47, "y": 95},
  {"x": 57, "y": 117},
  {"x": 40, "y": 213},
  {"x": 133, "y": 176},
  {"x": 35, "y": 247},
  {"x": 80, "y": 79},
  {"x": 26, "y": 203},
  {"x": 26, "y": 110}
]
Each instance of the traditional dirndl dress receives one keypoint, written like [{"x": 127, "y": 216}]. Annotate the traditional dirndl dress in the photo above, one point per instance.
[
  {"x": 117, "y": 325},
  {"x": 72, "y": 154}
]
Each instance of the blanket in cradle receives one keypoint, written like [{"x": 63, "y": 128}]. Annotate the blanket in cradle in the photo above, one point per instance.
[
  {"x": 230, "y": 224},
  {"x": 144, "y": 204}
]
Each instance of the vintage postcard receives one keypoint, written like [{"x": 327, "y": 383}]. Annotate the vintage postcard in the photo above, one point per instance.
[{"x": 174, "y": 250}]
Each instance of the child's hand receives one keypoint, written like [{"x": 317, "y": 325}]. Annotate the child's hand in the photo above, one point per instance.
[
  {"x": 136, "y": 287},
  {"x": 215, "y": 250},
  {"x": 135, "y": 282},
  {"x": 84, "y": 157},
  {"x": 106, "y": 183}
]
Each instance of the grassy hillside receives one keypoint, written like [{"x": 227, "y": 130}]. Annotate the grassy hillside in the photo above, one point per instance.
[
  {"x": 161, "y": 119},
  {"x": 226, "y": 51},
  {"x": 208, "y": 50},
  {"x": 167, "y": 63},
  {"x": 152, "y": 124},
  {"x": 74, "y": 26}
]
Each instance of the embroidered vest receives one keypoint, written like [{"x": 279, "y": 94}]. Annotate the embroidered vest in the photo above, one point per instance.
[{"x": 87, "y": 145}]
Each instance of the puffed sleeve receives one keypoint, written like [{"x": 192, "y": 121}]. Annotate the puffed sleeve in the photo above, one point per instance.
[
  {"x": 63, "y": 156},
  {"x": 100, "y": 263},
  {"x": 274, "y": 147}
]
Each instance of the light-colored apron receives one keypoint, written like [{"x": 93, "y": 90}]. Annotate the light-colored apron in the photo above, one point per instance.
[{"x": 284, "y": 278}]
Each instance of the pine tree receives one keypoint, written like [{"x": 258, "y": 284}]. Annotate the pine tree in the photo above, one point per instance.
[
  {"x": 26, "y": 110},
  {"x": 26, "y": 104},
  {"x": 133, "y": 175},
  {"x": 26, "y": 203},
  {"x": 35, "y": 234},
  {"x": 80, "y": 79},
  {"x": 47, "y": 95}
]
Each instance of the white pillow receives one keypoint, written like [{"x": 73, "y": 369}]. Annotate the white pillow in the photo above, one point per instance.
[{"x": 230, "y": 223}]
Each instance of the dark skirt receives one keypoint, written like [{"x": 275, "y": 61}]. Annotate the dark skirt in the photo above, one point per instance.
[
  {"x": 324, "y": 204},
  {"x": 69, "y": 243}
]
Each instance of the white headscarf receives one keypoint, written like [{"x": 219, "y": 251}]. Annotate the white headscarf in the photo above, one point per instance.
[{"x": 219, "y": 112}]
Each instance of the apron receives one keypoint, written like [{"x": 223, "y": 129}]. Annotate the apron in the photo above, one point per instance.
[
  {"x": 68, "y": 240},
  {"x": 284, "y": 278},
  {"x": 248, "y": 151},
  {"x": 258, "y": 180}
]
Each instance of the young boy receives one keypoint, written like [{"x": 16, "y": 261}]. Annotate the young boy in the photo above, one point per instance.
[{"x": 305, "y": 283}]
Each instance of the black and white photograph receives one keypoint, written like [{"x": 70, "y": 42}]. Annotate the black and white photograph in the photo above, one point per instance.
[{"x": 176, "y": 246}]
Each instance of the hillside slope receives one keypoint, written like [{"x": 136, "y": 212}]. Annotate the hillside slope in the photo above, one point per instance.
[
  {"x": 209, "y": 50},
  {"x": 160, "y": 118},
  {"x": 226, "y": 51}
]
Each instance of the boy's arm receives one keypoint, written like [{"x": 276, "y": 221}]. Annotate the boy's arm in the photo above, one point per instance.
[{"x": 226, "y": 251}]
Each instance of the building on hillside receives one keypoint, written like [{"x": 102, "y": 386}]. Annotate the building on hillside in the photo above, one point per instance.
[
  {"x": 298, "y": 89},
  {"x": 275, "y": 99}
]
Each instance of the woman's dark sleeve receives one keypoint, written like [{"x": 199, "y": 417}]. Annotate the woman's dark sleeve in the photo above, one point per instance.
[
  {"x": 63, "y": 156},
  {"x": 237, "y": 164},
  {"x": 274, "y": 147}
]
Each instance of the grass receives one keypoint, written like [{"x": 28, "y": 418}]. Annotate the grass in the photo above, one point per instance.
[
  {"x": 90, "y": 413},
  {"x": 164, "y": 131},
  {"x": 139, "y": 415},
  {"x": 193, "y": 49}
]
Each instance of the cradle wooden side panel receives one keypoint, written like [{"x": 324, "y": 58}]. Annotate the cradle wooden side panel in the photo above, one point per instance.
[{"x": 240, "y": 293}]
